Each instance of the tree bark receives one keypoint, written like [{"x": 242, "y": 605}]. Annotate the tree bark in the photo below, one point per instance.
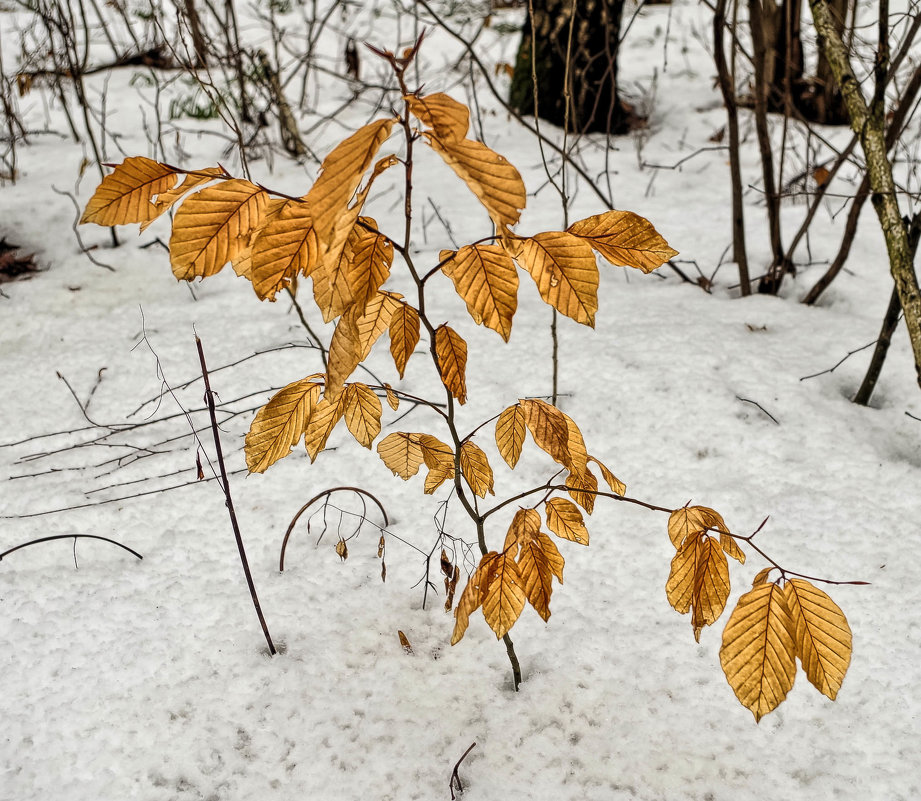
[
  {"x": 870, "y": 124},
  {"x": 574, "y": 57}
]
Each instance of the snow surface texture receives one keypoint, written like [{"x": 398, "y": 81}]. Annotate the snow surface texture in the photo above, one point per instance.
[{"x": 150, "y": 679}]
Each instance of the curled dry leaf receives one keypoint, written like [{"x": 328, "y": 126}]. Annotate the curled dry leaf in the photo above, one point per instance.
[
  {"x": 699, "y": 581},
  {"x": 452, "y": 361},
  {"x": 213, "y": 226},
  {"x": 485, "y": 278},
  {"x": 617, "y": 486},
  {"x": 404, "y": 641},
  {"x": 342, "y": 550},
  {"x": 758, "y": 654},
  {"x": 279, "y": 424},
  {"x": 393, "y": 400},
  {"x": 511, "y": 428},
  {"x": 564, "y": 270},
  {"x": 822, "y": 635},
  {"x": 625, "y": 239},
  {"x": 476, "y": 470},
  {"x": 125, "y": 195},
  {"x": 565, "y": 520}
]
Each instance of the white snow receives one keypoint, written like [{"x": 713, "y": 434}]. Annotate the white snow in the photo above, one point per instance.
[{"x": 151, "y": 680}]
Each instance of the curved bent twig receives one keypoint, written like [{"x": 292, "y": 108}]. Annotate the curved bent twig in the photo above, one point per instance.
[
  {"x": 67, "y": 537},
  {"x": 313, "y": 500}
]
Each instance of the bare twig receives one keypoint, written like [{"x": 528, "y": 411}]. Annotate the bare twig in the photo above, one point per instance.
[{"x": 225, "y": 486}]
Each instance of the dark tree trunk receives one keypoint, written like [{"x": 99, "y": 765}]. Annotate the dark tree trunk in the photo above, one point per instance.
[
  {"x": 583, "y": 97},
  {"x": 815, "y": 98}
]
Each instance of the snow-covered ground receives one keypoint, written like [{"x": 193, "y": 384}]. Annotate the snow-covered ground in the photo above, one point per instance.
[{"x": 150, "y": 679}]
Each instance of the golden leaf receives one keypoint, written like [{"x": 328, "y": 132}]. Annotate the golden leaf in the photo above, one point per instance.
[
  {"x": 354, "y": 336},
  {"x": 404, "y": 335},
  {"x": 332, "y": 289},
  {"x": 476, "y": 470},
  {"x": 821, "y": 634},
  {"x": 393, "y": 400},
  {"x": 192, "y": 180},
  {"x": 525, "y": 525},
  {"x": 242, "y": 260},
  {"x": 505, "y": 597},
  {"x": 404, "y": 641},
  {"x": 452, "y": 361},
  {"x": 125, "y": 195},
  {"x": 731, "y": 547},
  {"x": 474, "y": 594},
  {"x": 538, "y": 562},
  {"x": 401, "y": 453},
  {"x": 283, "y": 249},
  {"x": 362, "y": 413},
  {"x": 563, "y": 267},
  {"x": 565, "y": 520},
  {"x": 369, "y": 263},
  {"x": 439, "y": 458},
  {"x": 617, "y": 486},
  {"x": 761, "y": 577},
  {"x": 693, "y": 520},
  {"x": 279, "y": 424},
  {"x": 758, "y": 654},
  {"x": 342, "y": 550},
  {"x": 510, "y": 433},
  {"x": 447, "y": 118},
  {"x": 325, "y": 416},
  {"x": 699, "y": 580},
  {"x": 343, "y": 356},
  {"x": 548, "y": 427},
  {"x": 575, "y": 447},
  {"x": 485, "y": 278},
  {"x": 625, "y": 238},
  {"x": 212, "y": 226},
  {"x": 340, "y": 175},
  {"x": 583, "y": 489},
  {"x": 495, "y": 182}
]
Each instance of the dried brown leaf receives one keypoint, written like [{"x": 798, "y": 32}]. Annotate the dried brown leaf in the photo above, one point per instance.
[
  {"x": 325, "y": 416},
  {"x": 511, "y": 429},
  {"x": 447, "y": 118},
  {"x": 476, "y": 470},
  {"x": 279, "y": 424},
  {"x": 404, "y": 335},
  {"x": 625, "y": 238},
  {"x": 564, "y": 270},
  {"x": 495, "y": 182},
  {"x": 485, "y": 278},
  {"x": 565, "y": 520},
  {"x": 822, "y": 635},
  {"x": 213, "y": 226},
  {"x": 362, "y": 413},
  {"x": 283, "y": 249},
  {"x": 505, "y": 596},
  {"x": 452, "y": 361},
  {"x": 402, "y": 454},
  {"x": 758, "y": 654},
  {"x": 125, "y": 195}
]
